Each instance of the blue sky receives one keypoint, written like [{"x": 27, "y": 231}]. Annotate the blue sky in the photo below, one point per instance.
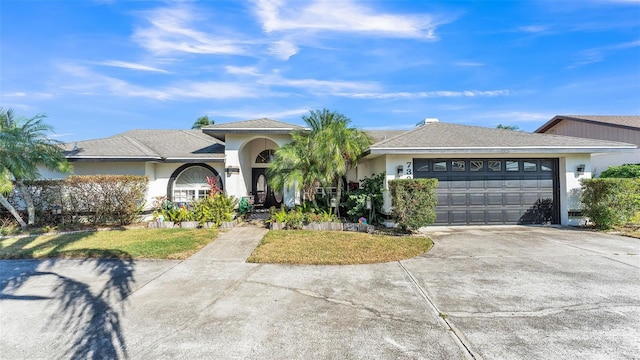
[{"x": 97, "y": 68}]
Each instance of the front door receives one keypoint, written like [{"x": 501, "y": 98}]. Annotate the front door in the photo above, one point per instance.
[{"x": 263, "y": 196}]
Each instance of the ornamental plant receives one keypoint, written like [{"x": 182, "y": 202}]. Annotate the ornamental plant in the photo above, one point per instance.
[{"x": 414, "y": 202}]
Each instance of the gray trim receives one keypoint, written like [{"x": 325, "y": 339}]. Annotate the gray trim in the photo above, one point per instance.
[{"x": 500, "y": 150}]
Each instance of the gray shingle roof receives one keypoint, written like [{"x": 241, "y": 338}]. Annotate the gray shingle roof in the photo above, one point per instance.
[
  {"x": 379, "y": 135},
  {"x": 444, "y": 137},
  {"x": 261, "y": 124},
  {"x": 149, "y": 145},
  {"x": 630, "y": 122}
]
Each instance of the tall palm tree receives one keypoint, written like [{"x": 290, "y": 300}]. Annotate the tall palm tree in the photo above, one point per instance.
[
  {"x": 23, "y": 146},
  {"x": 321, "y": 155}
]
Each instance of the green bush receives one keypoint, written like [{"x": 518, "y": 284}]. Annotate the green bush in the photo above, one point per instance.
[
  {"x": 414, "y": 202},
  {"x": 611, "y": 202},
  {"x": 104, "y": 199},
  {"x": 628, "y": 171},
  {"x": 244, "y": 207},
  {"x": 301, "y": 215},
  {"x": 216, "y": 209},
  {"x": 356, "y": 202}
]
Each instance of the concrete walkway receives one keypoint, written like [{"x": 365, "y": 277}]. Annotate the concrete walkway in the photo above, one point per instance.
[{"x": 235, "y": 245}]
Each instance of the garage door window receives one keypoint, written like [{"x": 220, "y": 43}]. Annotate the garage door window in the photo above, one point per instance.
[
  {"x": 457, "y": 165},
  {"x": 530, "y": 166},
  {"x": 476, "y": 165},
  {"x": 495, "y": 165},
  {"x": 512, "y": 165},
  {"x": 440, "y": 166}
]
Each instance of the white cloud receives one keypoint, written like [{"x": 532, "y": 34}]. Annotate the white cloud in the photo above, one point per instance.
[
  {"x": 425, "y": 94},
  {"x": 242, "y": 70},
  {"x": 598, "y": 54},
  {"x": 518, "y": 116},
  {"x": 342, "y": 16},
  {"x": 319, "y": 86},
  {"x": 172, "y": 30},
  {"x": 22, "y": 94},
  {"x": 91, "y": 83},
  {"x": 468, "y": 63},
  {"x": 283, "y": 49},
  {"x": 132, "y": 66},
  {"x": 533, "y": 28}
]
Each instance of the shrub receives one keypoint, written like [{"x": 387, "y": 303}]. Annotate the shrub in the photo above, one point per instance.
[
  {"x": 104, "y": 199},
  {"x": 356, "y": 202},
  {"x": 622, "y": 171},
  {"x": 414, "y": 202},
  {"x": 215, "y": 209},
  {"x": 300, "y": 216},
  {"x": 611, "y": 202},
  {"x": 244, "y": 207}
]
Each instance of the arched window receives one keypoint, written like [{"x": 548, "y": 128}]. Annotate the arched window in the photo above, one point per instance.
[
  {"x": 190, "y": 183},
  {"x": 265, "y": 157}
]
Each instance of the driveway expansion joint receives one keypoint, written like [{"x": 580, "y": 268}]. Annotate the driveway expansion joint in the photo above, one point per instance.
[
  {"x": 542, "y": 312},
  {"x": 459, "y": 338}
]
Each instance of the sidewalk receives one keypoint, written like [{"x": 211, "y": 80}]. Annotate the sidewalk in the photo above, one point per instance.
[{"x": 235, "y": 245}]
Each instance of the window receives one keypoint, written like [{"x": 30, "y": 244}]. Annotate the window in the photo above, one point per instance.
[
  {"x": 440, "y": 166},
  {"x": 265, "y": 157},
  {"x": 192, "y": 184},
  {"x": 546, "y": 165},
  {"x": 495, "y": 165},
  {"x": 512, "y": 165},
  {"x": 457, "y": 165},
  {"x": 530, "y": 166},
  {"x": 476, "y": 165}
]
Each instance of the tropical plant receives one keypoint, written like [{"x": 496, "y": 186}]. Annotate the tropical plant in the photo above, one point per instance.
[
  {"x": 215, "y": 209},
  {"x": 414, "y": 202},
  {"x": 202, "y": 121},
  {"x": 244, "y": 207},
  {"x": 23, "y": 146},
  {"x": 370, "y": 189},
  {"x": 321, "y": 155}
]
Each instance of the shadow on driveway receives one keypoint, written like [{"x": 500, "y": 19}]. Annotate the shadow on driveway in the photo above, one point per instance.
[{"x": 87, "y": 313}]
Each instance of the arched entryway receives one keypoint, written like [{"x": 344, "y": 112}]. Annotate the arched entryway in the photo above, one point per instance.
[
  {"x": 189, "y": 182},
  {"x": 263, "y": 194}
]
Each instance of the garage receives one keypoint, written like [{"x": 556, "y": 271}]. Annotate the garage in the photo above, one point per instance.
[{"x": 493, "y": 191}]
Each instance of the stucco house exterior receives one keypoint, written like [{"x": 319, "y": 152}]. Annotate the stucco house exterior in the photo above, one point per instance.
[
  {"x": 613, "y": 128},
  {"x": 487, "y": 176}
]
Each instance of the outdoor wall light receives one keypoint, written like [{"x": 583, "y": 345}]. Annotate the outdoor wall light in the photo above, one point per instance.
[
  {"x": 580, "y": 169},
  {"x": 232, "y": 170},
  {"x": 334, "y": 202},
  {"x": 400, "y": 170}
]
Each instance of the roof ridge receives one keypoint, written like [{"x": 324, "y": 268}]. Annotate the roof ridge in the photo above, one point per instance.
[
  {"x": 140, "y": 146},
  {"x": 200, "y": 135}
]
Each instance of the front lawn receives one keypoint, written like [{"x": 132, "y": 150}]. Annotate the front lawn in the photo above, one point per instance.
[
  {"x": 134, "y": 243},
  {"x": 336, "y": 248}
]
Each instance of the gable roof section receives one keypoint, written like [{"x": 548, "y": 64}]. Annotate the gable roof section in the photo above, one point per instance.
[
  {"x": 263, "y": 126},
  {"x": 441, "y": 137},
  {"x": 148, "y": 145},
  {"x": 624, "y": 122}
]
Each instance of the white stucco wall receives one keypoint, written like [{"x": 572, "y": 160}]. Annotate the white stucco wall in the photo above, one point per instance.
[
  {"x": 570, "y": 185},
  {"x": 241, "y": 151},
  {"x": 600, "y": 162}
]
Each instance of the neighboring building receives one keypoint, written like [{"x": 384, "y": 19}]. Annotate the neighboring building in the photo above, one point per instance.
[
  {"x": 487, "y": 176},
  {"x": 614, "y": 128}
]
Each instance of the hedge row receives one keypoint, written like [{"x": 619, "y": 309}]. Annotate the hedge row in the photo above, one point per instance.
[
  {"x": 95, "y": 199},
  {"x": 611, "y": 202}
]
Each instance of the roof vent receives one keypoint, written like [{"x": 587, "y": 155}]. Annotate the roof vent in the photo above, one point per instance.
[{"x": 427, "y": 121}]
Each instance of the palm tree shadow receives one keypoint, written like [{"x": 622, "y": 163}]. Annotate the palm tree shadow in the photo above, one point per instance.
[{"x": 90, "y": 320}]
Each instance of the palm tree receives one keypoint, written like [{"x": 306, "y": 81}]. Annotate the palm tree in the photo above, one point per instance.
[
  {"x": 24, "y": 145},
  {"x": 321, "y": 155},
  {"x": 202, "y": 121}
]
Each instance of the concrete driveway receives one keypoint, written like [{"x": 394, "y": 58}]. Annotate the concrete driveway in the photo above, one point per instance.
[{"x": 488, "y": 292}]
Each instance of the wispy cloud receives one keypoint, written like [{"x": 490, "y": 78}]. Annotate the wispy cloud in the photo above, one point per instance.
[
  {"x": 132, "y": 66},
  {"x": 242, "y": 70},
  {"x": 425, "y": 94},
  {"x": 468, "y": 64},
  {"x": 598, "y": 54},
  {"x": 173, "y": 30},
  {"x": 22, "y": 94},
  {"x": 342, "y": 16},
  {"x": 516, "y": 116},
  {"x": 319, "y": 86},
  {"x": 533, "y": 28},
  {"x": 91, "y": 83}
]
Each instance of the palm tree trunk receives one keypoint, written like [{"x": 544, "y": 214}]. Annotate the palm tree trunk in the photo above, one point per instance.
[
  {"x": 12, "y": 210},
  {"x": 28, "y": 199}
]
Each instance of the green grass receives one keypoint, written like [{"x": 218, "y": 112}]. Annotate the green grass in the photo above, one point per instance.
[
  {"x": 134, "y": 243},
  {"x": 336, "y": 248}
]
